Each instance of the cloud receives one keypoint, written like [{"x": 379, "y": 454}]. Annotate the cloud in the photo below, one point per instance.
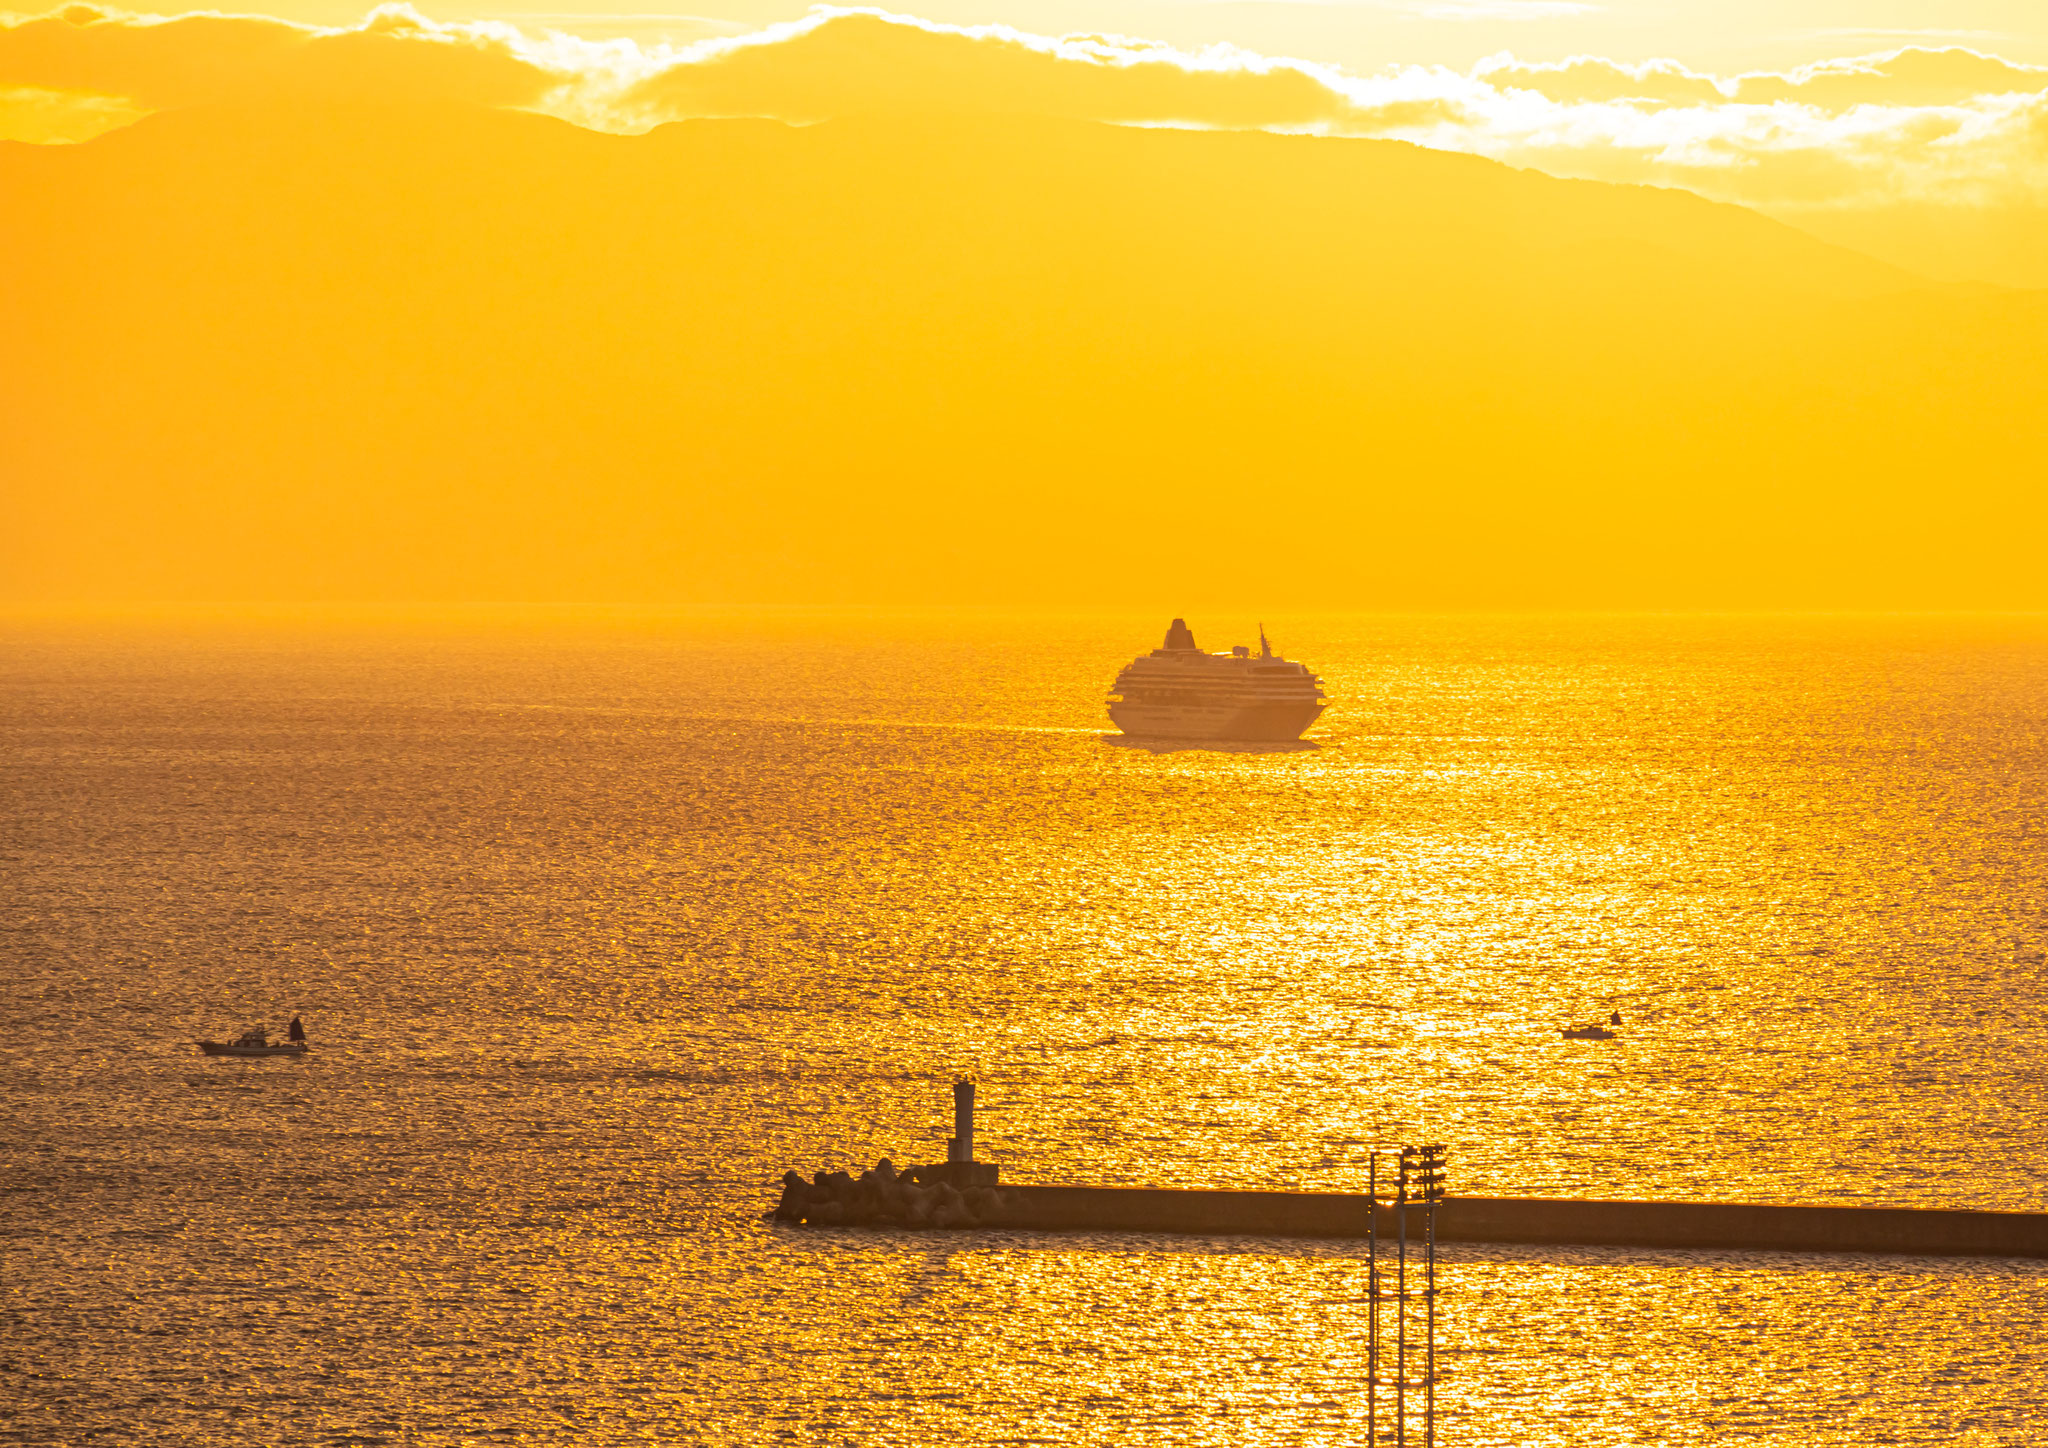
[
  {"x": 838, "y": 63},
  {"x": 41, "y": 116},
  {"x": 1587, "y": 79},
  {"x": 184, "y": 60},
  {"x": 1911, "y": 77},
  {"x": 1914, "y": 124}
]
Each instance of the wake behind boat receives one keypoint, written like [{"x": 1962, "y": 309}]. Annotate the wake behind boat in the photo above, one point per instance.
[{"x": 1179, "y": 692}]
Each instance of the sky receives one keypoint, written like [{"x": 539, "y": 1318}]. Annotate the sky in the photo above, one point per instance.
[
  {"x": 1365, "y": 35},
  {"x": 1610, "y": 373}
]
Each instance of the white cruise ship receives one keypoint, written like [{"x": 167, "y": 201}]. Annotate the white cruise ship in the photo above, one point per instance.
[{"x": 1179, "y": 692}]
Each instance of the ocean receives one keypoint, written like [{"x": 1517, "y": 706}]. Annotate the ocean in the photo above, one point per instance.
[{"x": 600, "y": 921}]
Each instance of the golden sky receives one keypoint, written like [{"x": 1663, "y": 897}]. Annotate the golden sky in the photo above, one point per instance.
[{"x": 1690, "y": 404}]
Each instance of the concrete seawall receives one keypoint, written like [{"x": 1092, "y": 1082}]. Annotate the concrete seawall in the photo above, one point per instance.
[{"x": 1741, "y": 1225}]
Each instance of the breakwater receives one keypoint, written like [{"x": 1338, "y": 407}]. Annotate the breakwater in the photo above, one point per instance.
[
  {"x": 948, "y": 1194},
  {"x": 1911, "y": 1231},
  {"x": 929, "y": 1197}
]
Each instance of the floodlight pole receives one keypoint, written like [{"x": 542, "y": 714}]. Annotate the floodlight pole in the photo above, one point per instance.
[
  {"x": 1401, "y": 1306},
  {"x": 1372, "y": 1297}
]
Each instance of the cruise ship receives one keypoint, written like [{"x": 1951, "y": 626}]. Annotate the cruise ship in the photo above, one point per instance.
[{"x": 1179, "y": 692}]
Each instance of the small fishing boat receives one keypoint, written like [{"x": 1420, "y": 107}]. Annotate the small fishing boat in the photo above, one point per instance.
[
  {"x": 1588, "y": 1033},
  {"x": 253, "y": 1043}
]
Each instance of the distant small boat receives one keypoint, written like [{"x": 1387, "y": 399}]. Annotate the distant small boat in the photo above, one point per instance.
[
  {"x": 236, "y": 1048},
  {"x": 1588, "y": 1033}
]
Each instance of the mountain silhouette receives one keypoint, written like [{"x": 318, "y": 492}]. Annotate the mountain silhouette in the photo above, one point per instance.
[{"x": 441, "y": 352}]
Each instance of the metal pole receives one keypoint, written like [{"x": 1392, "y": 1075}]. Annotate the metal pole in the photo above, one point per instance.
[
  {"x": 1401, "y": 1310},
  {"x": 1429, "y": 1351},
  {"x": 1372, "y": 1298}
]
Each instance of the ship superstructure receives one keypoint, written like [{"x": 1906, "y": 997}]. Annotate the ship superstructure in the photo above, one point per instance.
[{"x": 1179, "y": 692}]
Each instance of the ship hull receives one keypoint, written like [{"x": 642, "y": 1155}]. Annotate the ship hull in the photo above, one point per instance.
[{"x": 1267, "y": 723}]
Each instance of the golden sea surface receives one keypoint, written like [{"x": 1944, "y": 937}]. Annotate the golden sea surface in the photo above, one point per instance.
[{"x": 599, "y": 922}]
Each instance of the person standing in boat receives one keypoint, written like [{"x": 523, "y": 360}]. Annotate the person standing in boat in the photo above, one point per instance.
[{"x": 298, "y": 1032}]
